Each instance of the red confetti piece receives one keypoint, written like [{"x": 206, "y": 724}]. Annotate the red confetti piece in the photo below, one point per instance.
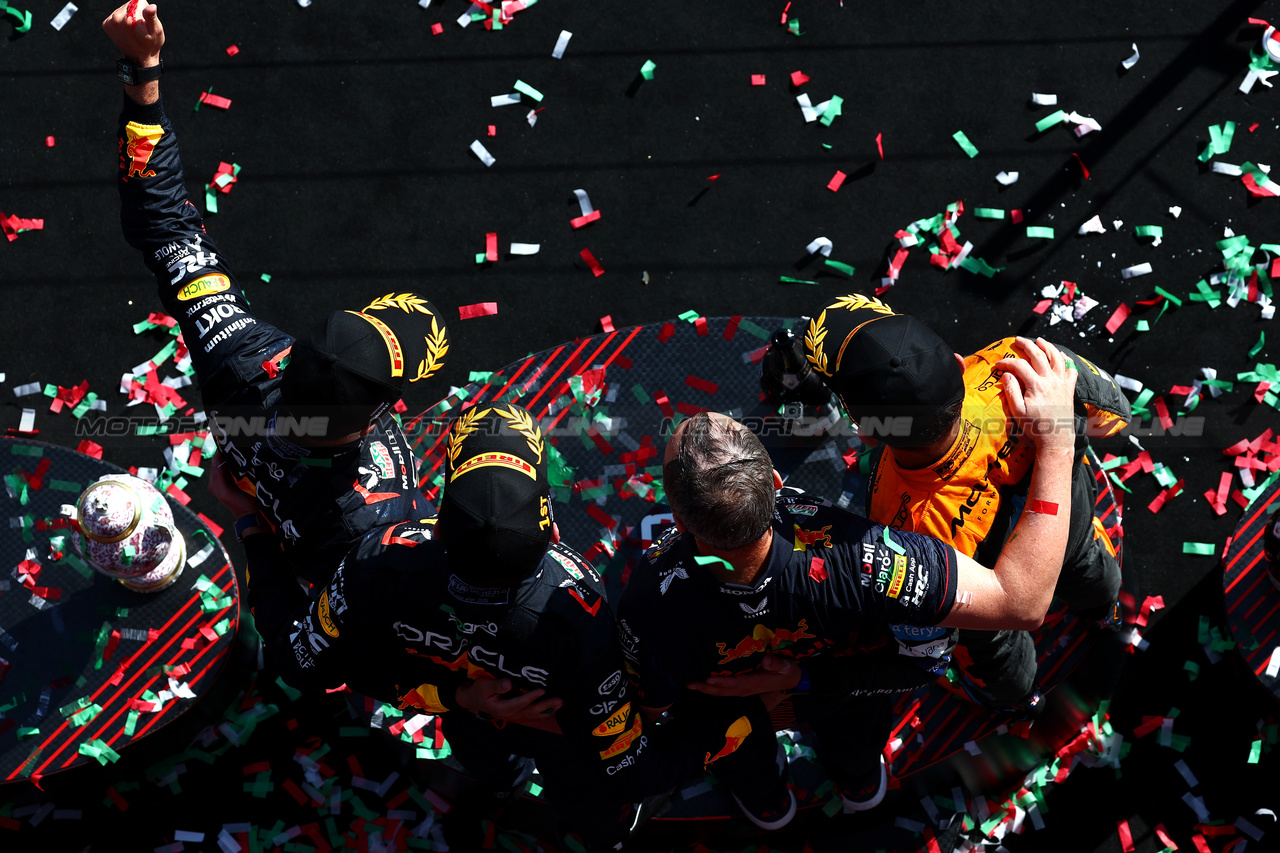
[
  {"x": 1118, "y": 317},
  {"x": 11, "y": 225},
  {"x": 701, "y": 325},
  {"x": 756, "y": 355},
  {"x": 757, "y": 79},
  {"x": 214, "y": 527},
  {"x": 601, "y": 516},
  {"x": 479, "y": 309},
  {"x": 798, "y": 78},
  {"x": 111, "y": 645},
  {"x": 596, "y": 269},
  {"x": 1201, "y": 844},
  {"x": 493, "y": 130},
  {"x": 713, "y": 177},
  {"x": 784, "y": 11},
  {"x": 731, "y": 328},
  {"x": 606, "y": 323},
  {"x": 295, "y": 792},
  {"x": 257, "y": 767},
  {"x": 1081, "y": 164},
  {"x": 215, "y": 100},
  {"x": 701, "y": 384},
  {"x": 120, "y": 801},
  {"x": 233, "y": 50},
  {"x": 665, "y": 333},
  {"x": 599, "y": 441},
  {"x": 49, "y": 142},
  {"x": 689, "y": 409},
  {"x": 817, "y": 571},
  {"x": 491, "y": 246},
  {"x": 1162, "y": 412},
  {"x": 880, "y": 144},
  {"x": 1261, "y": 391},
  {"x": 664, "y": 404},
  {"x": 1126, "y": 837},
  {"x": 1253, "y": 127},
  {"x": 1015, "y": 216},
  {"x": 1163, "y": 835},
  {"x": 579, "y": 221},
  {"x": 1042, "y": 306},
  {"x": 1275, "y": 268},
  {"x": 437, "y": 29},
  {"x": 178, "y": 495},
  {"x": 836, "y": 182}
]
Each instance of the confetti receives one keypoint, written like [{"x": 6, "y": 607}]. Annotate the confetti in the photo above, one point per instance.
[
  {"x": 1136, "y": 270},
  {"x": 596, "y": 269},
  {"x": 60, "y": 20},
  {"x": 646, "y": 70},
  {"x": 525, "y": 89},
  {"x": 1044, "y": 100},
  {"x": 1132, "y": 60},
  {"x": 1118, "y": 317},
  {"x": 483, "y": 153},
  {"x": 561, "y": 43},
  {"x": 1007, "y": 178},
  {"x": 479, "y": 309},
  {"x": 757, "y": 80},
  {"x": 799, "y": 78},
  {"x": 964, "y": 143},
  {"x": 835, "y": 183}
]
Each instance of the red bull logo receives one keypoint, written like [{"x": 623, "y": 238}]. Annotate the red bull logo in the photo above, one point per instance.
[
  {"x": 762, "y": 640},
  {"x": 733, "y": 738},
  {"x": 816, "y": 538},
  {"x": 142, "y": 142}
]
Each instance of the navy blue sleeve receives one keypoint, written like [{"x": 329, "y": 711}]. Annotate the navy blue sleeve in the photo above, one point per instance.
[{"x": 195, "y": 284}]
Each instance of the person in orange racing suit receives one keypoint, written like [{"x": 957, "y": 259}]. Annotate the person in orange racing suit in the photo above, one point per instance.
[
  {"x": 449, "y": 616},
  {"x": 305, "y": 426},
  {"x": 951, "y": 463},
  {"x": 752, "y": 593}
]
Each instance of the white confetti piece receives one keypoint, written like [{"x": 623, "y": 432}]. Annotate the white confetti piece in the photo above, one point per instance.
[
  {"x": 1093, "y": 226},
  {"x": 806, "y": 108},
  {"x": 1128, "y": 384},
  {"x": 28, "y": 421},
  {"x": 483, "y": 153},
  {"x": 504, "y": 100},
  {"x": 1197, "y": 805},
  {"x": 183, "y": 835},
  {"x": 1248, "y": 829},
  {"x": 465, "y": 18},
  {"x": 426, "y": 4},
  {"x": 1273, "y": 665},
  {"x": 1227, "y": 168},
  {"x": 24, "y": 390},
  {"x": 820, "y": 244},
  {"x": 584, "y": 202},
  {"x": 1190, "y": 777},
  {"x": 1135, "y": 270},
  {"x": 532, "y": 117},
  {"x": 225, "y": 841},
  {"x": 561, "y": 44},
  {"x": 1044, "y": 100},
  {"x": 1175, "y": 211},
  {"x": 60, "y": 20},
  {"x": 1085, "y": 124},
  {"x": 1132, "y": 60},
  {"x": 525, "y": 248},
  {"x": 1007, "y": 178}
]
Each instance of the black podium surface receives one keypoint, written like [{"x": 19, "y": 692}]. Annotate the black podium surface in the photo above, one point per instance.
[{"x": 90, "y": 666}]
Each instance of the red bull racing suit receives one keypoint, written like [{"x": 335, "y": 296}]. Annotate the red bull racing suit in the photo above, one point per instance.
[
  {"x": 971, "y": 498},
  {"x": 397, "y": 624},
  {"x": 318, "y": 501},
  {"x": 856, "y": 606}
]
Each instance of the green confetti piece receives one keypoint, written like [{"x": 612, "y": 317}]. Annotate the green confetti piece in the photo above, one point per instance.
[
  {"x": 708, "y": 561},
  {"x": 210, "y": 200},
  {"x": 1219, "y": 140},
  {"x": 1204, "y": 549},
  {"x": 754, "y": 330},
  {"x": 847, "y": 269},
  {"x": 86, "y": 715},
  {"x": 988, "y": 213},
  {"x": 894, "y": 546},
  {"x": 689, "y": 316},
  {"x": 832, "y": 111},
  {"x": 1255, "y": 752},
  {"x": 1056, "y": 117},
  {"x": 963, "y": 142},
  {"x": 978, "y": 266},
  {"x": 265, "y": 278},
  {"x": 1166, "y": 294},
  {"x": 481, "y": 257},
  {"x": 288, "y": 691},
  {"x": 1143, "y": 326},
  {"x": 26, "y": 450},
  {"x": 1040, "y": 231},
  {"x": 1192, "y": 669},
  {"x": 786, "y": 279},
  {"x": 646, "y": 70},
  {"x": 27, "y": 731},
  {"x": 131, "y": 724},
  {"x": 793, "y": 26},
  {"x": 639, "y": 393},
  {"x": 1155, "y": 231},
  {"x": 1257, "y": 348}
]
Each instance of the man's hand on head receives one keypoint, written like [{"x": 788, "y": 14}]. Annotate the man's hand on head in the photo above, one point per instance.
[{"x": 136, "y": 31}]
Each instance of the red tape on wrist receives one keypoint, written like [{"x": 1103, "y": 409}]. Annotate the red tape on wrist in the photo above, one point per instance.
[{"x": 1042, "y": 507}]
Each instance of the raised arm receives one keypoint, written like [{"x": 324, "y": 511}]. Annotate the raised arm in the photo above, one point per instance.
[
  {"x": 136, "y": 30},
  {"x": 1017, "y": 593}
]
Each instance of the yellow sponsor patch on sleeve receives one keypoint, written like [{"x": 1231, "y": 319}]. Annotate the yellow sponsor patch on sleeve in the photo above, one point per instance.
[
  {"x": 326, "y": 618},
  {"x": 623, "y": 743},
  {"x": 203, "y": 286},
  {"x": 614, "y": 724},
  {"x": 899, "y": 575}
]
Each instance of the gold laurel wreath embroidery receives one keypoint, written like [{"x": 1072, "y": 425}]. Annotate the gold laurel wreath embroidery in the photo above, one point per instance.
[
  {"x": 523, "y": 423},
  {"x": 813, "y": 343},
  {"x": 854, "y": 301},
  {"x": 406, "y": 302},
  {"x": 437, "y": 347},
  {"x": 464, "y": 427}
]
